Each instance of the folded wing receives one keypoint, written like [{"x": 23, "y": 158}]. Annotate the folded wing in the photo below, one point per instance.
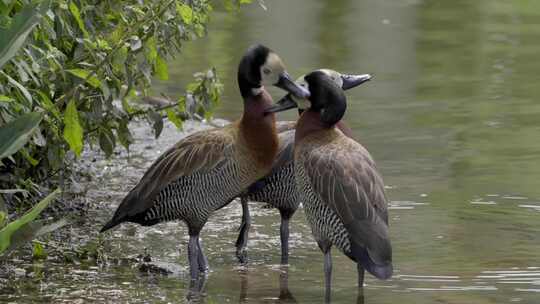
[
  {"x": 199, "y": 152},
  {"x": 347, "y": 180}
]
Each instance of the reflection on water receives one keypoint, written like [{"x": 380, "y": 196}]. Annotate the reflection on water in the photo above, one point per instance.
[
  {"x": 451, "y": 118},
  {"x": 282, "y": 295}
]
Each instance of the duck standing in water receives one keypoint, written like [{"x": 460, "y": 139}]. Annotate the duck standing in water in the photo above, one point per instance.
[
  {"x": 278, "y": 189},
  {"x": 338, "y": 183},
  {"x": 206, "y": 170}
]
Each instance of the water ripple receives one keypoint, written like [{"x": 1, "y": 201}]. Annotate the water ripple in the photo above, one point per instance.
[{"x": 404, "y": 205}]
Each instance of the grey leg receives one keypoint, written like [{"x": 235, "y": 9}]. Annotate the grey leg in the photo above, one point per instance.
[
  {"x": 360, "y": 296},
  {"x": 241, "y": 242},
  {"x": 285, "y": 295},
  {"x": 193, "y": 253},
  {"x": 284, "y": 231},
  {"x": 360, "y": 275},
  {"x": 327, "y": 275},
  {"x": 203, "y": 261}
]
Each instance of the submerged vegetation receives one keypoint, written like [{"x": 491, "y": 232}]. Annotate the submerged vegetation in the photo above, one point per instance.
[{"x": 73, "y": 74}]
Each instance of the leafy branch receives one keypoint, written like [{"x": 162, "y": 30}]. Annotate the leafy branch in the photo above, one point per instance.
[{"x": 80, "y": 65}]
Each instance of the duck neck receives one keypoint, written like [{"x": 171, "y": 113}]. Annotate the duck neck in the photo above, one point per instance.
[
  {"x": 259, "y": 129},
  {"x": 343, "y": 127},
  {"x": 309, "y": 121}
]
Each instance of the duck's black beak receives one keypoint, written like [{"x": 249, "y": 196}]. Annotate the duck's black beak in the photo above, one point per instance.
[
  {"x": 285, "y": 82},
  {"x": 351, "y": 81},
  {"x": 283, "y": 104}
]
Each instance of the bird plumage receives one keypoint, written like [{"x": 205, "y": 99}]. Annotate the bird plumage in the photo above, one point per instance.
[
  {"x": 277, "y": 189},
  {"x": 338, "y": 183},
  {"x": 206, "y": 170},
  {"x": 214, "y": 165},
  {"x": 273, "y": 189},
  {"x": 345, "y": 198}
]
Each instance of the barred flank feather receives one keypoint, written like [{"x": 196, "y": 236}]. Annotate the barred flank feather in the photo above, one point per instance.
[
  {"x": 325, "y": 223},
  {"x": 193, "y": 198},
  {"x": 277, "y": 189}
]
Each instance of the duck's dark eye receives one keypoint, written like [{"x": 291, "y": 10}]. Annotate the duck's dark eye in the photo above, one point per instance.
[{"x": 266, "y": 71}]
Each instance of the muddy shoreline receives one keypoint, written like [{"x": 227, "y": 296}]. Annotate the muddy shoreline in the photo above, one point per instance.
[{"x": 92, "y": 194}]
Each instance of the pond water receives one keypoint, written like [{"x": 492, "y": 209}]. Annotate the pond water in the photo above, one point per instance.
[{"x": 451, "y": 117}]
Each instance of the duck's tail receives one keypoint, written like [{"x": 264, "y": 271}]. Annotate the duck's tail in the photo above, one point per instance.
[
  {"x": 380, "y": 271},
  {"x": 110, "y": 224},
  {"x": 370, "y": 247}
]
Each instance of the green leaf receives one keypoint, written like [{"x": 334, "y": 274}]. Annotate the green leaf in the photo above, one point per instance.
[
  {"x": 3, "y": 212},
  {"x": 185, "y": 12},
  {"x": 182, "y": 103},
  {"x": 123, "y": 133},
  {"x": 229, "y": 5},
  {"x": 151, "y": 50},
  {"x": 126, "y": 106},
  {"x": 48, "y": 105},
  {"x": 38, "y": 252},
  {"x": 4, "y": 98},
  {"x": 177, "y": 121},
  {"x": 55, "y": 155},
  {"x": 117, "y": 34},
  {"x": 3, "y": 219},
  {"x": 77, "y": 15},
  {"x": 15, "y": 134},
  {"x": 33, "y": 230},
  {"x": 13, "y": 37},
  {"x": 19, "y": 86},
  {"x": 157, "y": 122},
  {"x": 119, "y": 60},
  {"x": 85, "y": 75},
  {"x": 103, "y": 44},
  {"x": 106, "y": 141},
  {"x": 162, "y": 71},
  {"x": 192, "y": 87},
  {"x": 73, "y": 132},
  {"x": 105, "y": 90},
  {"x": 29, "y": 158},
  {"x": 7, "y": 232}
]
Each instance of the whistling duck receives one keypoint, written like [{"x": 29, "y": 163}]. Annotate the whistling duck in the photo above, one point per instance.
[
  {"x": 277, "y": 189},
  {"x": 206, "y": 170},
  {"x": 338, "y": 183}
]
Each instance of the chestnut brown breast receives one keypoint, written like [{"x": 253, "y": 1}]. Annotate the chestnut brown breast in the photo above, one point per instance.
[{"x": 258, "y": 130}]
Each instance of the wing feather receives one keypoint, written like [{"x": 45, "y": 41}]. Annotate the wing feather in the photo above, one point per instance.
[
  {"x": 199, "y": 152},
  {"x": 345, "y": 177}
]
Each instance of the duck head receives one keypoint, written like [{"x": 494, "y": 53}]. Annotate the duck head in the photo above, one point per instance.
[
  {"x": 260, "y": 66},
  {"x": 317, "y": 82}
]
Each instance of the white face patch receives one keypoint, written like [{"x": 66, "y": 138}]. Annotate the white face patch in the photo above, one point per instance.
[
  {"x": 335, "y": 76},
  {"x": 257, "y": 91},
  {"x": 303, "y": 103},
  {"x": 271, "y": 69}
]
